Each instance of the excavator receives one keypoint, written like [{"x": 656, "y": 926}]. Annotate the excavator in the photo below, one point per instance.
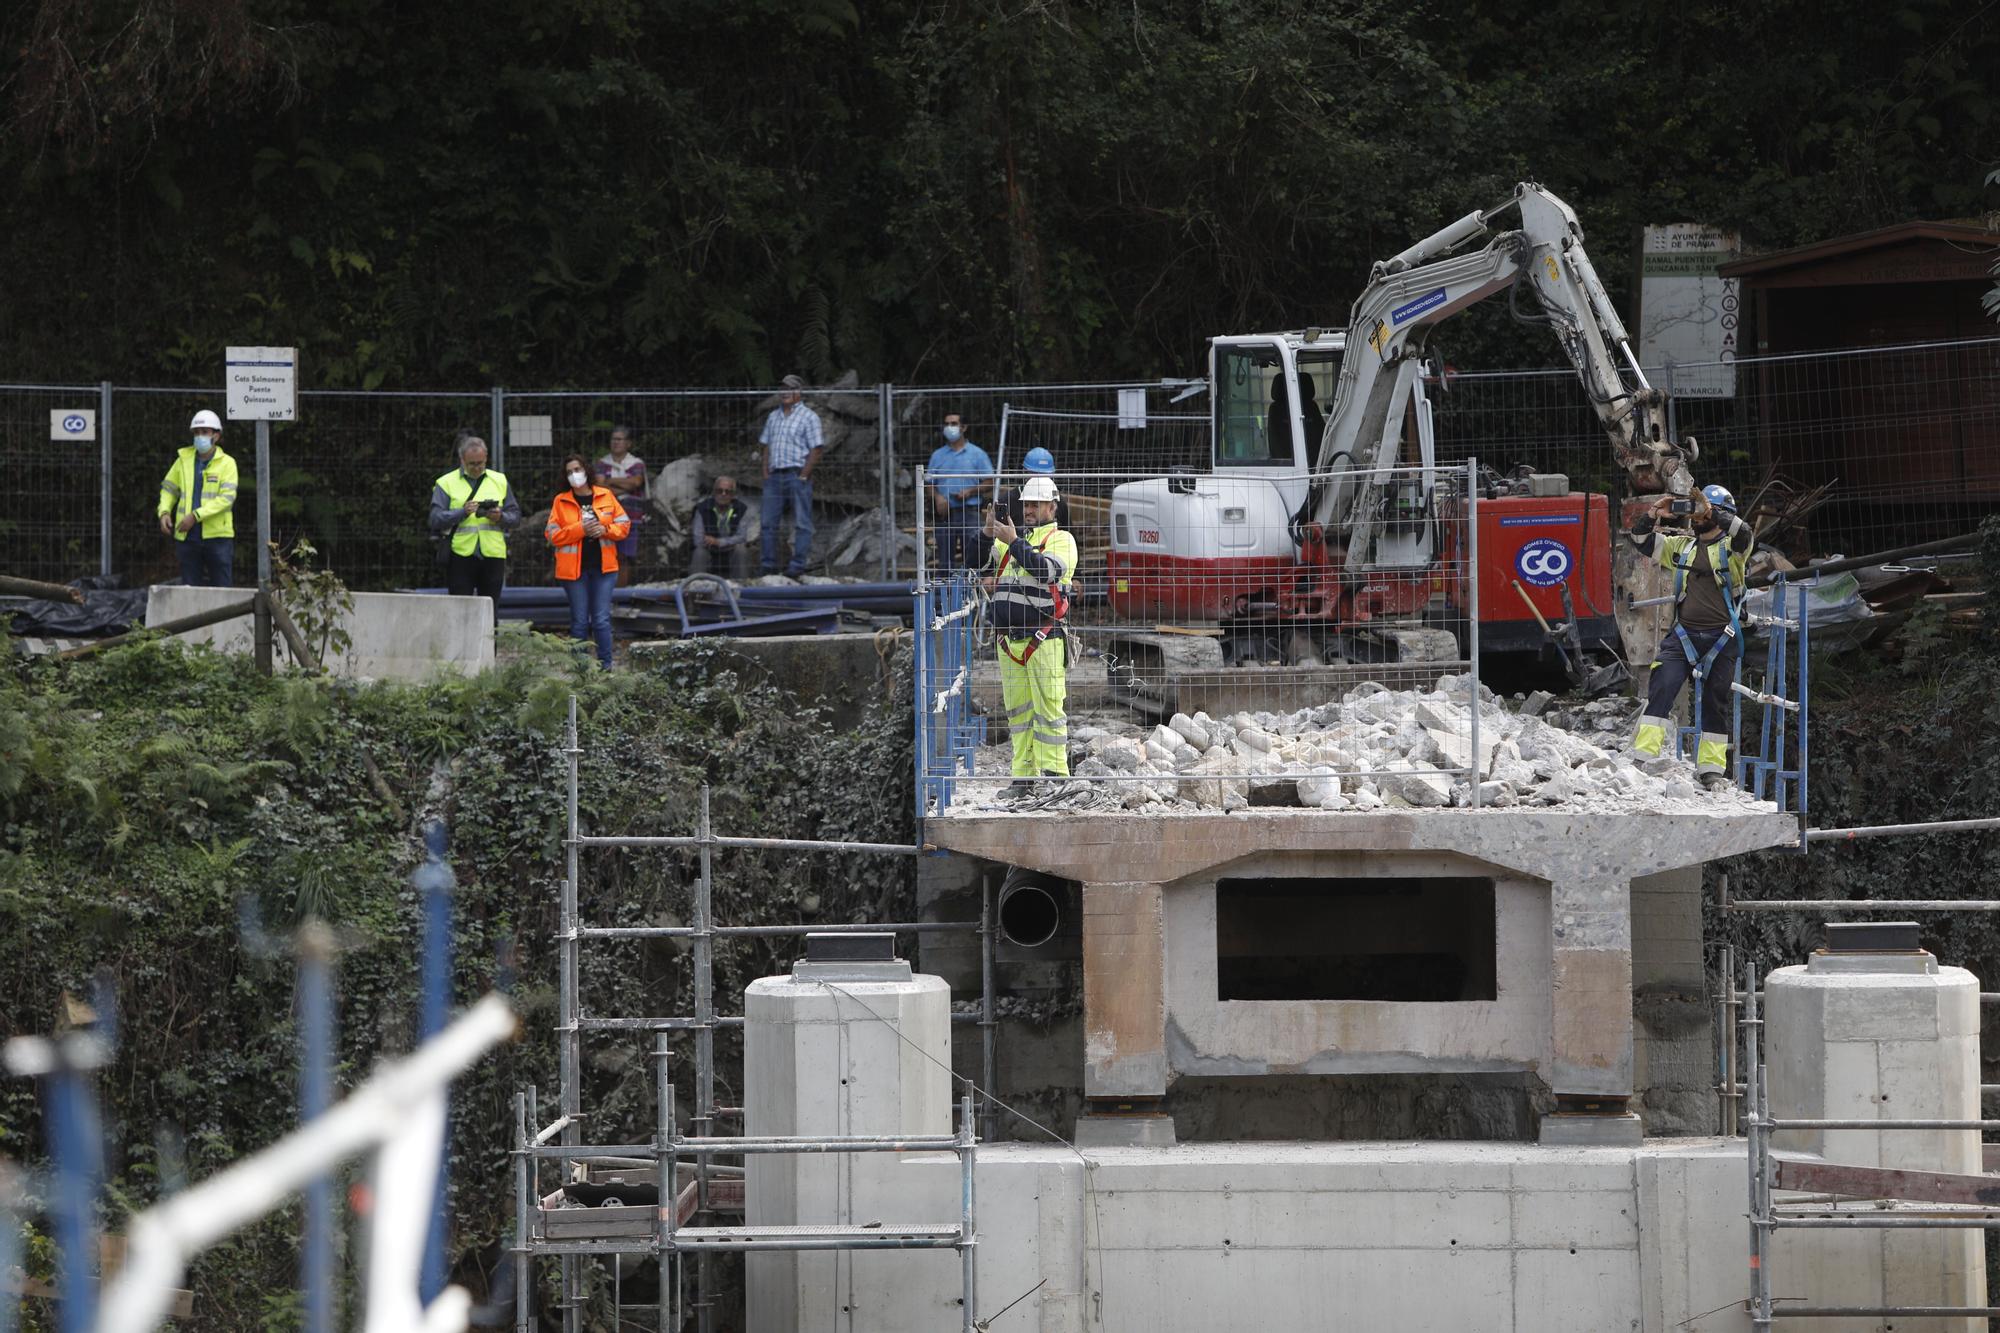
[{"x": 1338, "y": 555}]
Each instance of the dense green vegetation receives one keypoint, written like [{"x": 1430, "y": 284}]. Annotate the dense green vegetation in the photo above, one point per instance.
[
  {"x": 147, "y": 794},
  {"x": 717, "y": 191}
]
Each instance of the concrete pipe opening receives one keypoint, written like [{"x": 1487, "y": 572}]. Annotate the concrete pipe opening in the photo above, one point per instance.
[{"x": 1030, "y": 908}]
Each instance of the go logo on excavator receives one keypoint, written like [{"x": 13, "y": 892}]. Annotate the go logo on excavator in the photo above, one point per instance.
[{"x": 1543, "y": 562}]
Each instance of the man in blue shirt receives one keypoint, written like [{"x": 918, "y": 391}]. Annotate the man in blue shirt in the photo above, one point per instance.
[
  {"x": 792, "y": 442},
  {"x": 957, "y": 481}
]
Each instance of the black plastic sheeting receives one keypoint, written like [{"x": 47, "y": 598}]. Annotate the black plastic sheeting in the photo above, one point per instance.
[{"x": 108, "y": 608}]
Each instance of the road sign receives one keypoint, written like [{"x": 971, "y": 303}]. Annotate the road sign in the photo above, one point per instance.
[
  {"x": 72, "y": 423},
  {"x": 263, "y": 383}
]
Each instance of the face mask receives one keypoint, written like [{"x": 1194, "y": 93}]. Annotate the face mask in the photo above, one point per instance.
[
  {"x": 576, "y": 479},
  {"x": 202, "y": 444},
  {"x": 953, "y": 433}
]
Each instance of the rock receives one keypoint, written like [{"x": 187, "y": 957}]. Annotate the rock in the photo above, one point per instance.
[
  {"x": 1251, "y": 738},
  {"x": 1092, "y": 768},
  {"x": 1165, "y": 737},
  {"x": 1419, "y": 787},
  {"x": 1318, "y": 787},
  {"x": 1450, "y": 730},
  {"x": 1213, "y": 783},
  {"x": 1157, "y": 754},
  {"x": 1367, "y": 798},
  {"x": 1536, "y": 702},
  {"x": 1367, "y": 689},
  {"x": 1121, "y": 756},
  {"x": 1085, "y": 735},
  {"x": 1185, "y": 755},
  {"x": 1190, "y": 730}
]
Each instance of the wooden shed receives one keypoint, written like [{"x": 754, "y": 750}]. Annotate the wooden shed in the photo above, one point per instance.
[{"x": 1879, "y": 370}]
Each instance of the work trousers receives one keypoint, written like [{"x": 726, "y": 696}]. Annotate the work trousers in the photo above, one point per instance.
[
  {"x": 735, "y": 561},
  {"x": 206, "y": 562},
  {"x": 477, "y": 576},
  {"x": 1671, "y": 673},
  {"x": 1034, "y": 695},
  {"x": 785, "y": 490},
  {"x": 590, "y": 610}
]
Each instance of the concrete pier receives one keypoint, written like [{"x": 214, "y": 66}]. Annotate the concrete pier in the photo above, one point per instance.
[{"x": 1193, "y": 923}]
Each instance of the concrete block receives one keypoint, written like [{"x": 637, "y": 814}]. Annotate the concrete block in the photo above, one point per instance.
[
  {"x": 1124, "y": 1131},
  {"x": 1591, "y": 1130},
  {"x": 394, "y": 636}
]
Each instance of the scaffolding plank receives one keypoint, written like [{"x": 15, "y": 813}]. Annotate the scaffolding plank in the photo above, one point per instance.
[{"x": 1876, "y": 1182}]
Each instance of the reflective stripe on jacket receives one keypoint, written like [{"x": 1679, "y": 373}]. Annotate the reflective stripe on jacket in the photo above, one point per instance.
[
  {"x": 1039, "y": 563},
  {"x": 565, "y": 532},
  {"x": 218, "y": 492},
  {"x": 476, "y": 534}
]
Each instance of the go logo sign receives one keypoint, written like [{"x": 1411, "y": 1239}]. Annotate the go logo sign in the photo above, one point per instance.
[{"x": 1544, "y": 563}]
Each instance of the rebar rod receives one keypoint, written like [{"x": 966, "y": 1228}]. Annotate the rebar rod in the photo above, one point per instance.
[
  {"x": 769, "y": 844},
  {"x": 1901, "y": 830},
  {"x": 765, "y": 932}
]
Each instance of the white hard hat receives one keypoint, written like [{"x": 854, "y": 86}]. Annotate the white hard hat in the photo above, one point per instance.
[
  {"x": 1039, "y": 488},
  {"x": 205, "y": 419}
]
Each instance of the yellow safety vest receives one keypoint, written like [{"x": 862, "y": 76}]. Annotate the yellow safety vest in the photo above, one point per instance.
[
  {"x": 478, "y": 534},
  {"x": 218, "y": 492}
]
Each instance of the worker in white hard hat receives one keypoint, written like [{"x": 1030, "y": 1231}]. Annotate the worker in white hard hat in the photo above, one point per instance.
[
  {"x": 1030, "y": 598},
  {"x": 195, "y": 502}
]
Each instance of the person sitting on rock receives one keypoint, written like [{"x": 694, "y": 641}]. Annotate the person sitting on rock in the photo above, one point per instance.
[{"x": 1705, "y": 643}]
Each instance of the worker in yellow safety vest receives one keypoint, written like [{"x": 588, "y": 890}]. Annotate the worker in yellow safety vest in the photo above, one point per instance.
[
  {"x": 196, "y": 499},
  {"x": 472, "y": 511},
  {"x": 1705, "y": 644},
  {"x": 1028, "y": 601}
]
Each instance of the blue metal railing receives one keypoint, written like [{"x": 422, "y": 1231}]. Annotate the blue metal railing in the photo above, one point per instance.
[{"x": 1776, "y": 769}]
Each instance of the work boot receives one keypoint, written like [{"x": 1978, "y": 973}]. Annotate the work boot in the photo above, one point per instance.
[
  {"x": 1020, "y": 789},
  {"x": 1715, "y": 781}
]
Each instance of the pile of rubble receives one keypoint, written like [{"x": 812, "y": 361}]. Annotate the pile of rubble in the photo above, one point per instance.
[{"x": 1375, "y": 748}]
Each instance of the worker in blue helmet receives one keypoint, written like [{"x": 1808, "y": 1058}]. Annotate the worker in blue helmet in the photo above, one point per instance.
[
  {"x": 1704, "y": 646},
  {"x": 1037, "y": 462}
]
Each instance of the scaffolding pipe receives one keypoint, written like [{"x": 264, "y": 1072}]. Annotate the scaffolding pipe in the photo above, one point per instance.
[
  {"x": 522, "y": 1323},
  {"x": 1900, "y": 830},
  {"x": 568, "y": 1038},
  {"x": 1753, "y": 1066},
  {"x": 763, "y": 932},
  {"x": 768, "y": 844},
  {"x": 704, "y": 1049},
  {"x": 1908, "y": 1311},
  {"x": 1778, "y": 1125},
  {"x": 666, "y": 1180},
  {"x": 1862, "y": 905}
]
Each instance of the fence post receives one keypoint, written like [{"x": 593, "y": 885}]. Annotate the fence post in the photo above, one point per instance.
[
  {"x": 496, "y": 432},
  {"x": 885, "y": 408},
  {"x": 104, "y": 477},
  {"x": 1673, "y": 418}
]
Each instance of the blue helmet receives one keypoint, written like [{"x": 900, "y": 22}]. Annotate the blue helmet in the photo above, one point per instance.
[
  {"x": 1720, "y": 498},
  {"x": 1039, "y": 460}
]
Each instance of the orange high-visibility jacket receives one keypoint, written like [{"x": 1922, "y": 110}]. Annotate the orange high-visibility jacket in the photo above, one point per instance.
[{"x": 566, "y": 531}]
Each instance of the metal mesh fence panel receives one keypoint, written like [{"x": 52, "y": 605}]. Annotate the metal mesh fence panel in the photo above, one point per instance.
[
  {"x": 687, "y": 438},
  {"x": 1831, "y": 452},
  {"x": 1191, "y": 595},
  {"x": 352, "y": 476},
  {"x": 50, "y": 505}
]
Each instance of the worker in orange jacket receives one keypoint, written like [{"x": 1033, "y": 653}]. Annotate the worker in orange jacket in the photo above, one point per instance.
[{"x": 586, "y": 523}]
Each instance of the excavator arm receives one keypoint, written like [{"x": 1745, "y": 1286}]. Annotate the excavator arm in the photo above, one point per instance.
[{"x": 1550, "y": 280}]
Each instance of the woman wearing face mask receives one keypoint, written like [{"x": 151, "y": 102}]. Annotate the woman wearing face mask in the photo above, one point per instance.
[
  {"x": 585, "y": 526},
  {"x": 195, "y": 501}
]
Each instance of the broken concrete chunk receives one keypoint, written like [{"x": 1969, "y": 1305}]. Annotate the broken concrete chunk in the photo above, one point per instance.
[
  {"x": 1536, "y": 702},
  {"x": 1318, "y": 788},
  {"x": 1158, "y": 755},
  {"x": 1190, "y": 730}
]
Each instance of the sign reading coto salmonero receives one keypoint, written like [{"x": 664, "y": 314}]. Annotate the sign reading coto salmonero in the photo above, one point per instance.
[{"x": 262, "y": 383}]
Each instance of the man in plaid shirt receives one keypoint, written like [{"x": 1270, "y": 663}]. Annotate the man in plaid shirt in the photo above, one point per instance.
[{"x": 792, "y": 443}]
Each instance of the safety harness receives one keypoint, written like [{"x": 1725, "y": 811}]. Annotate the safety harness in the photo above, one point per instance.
[
  {"x": 1683, "y": 565},
  {"x": 1058, "y": 600}
]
